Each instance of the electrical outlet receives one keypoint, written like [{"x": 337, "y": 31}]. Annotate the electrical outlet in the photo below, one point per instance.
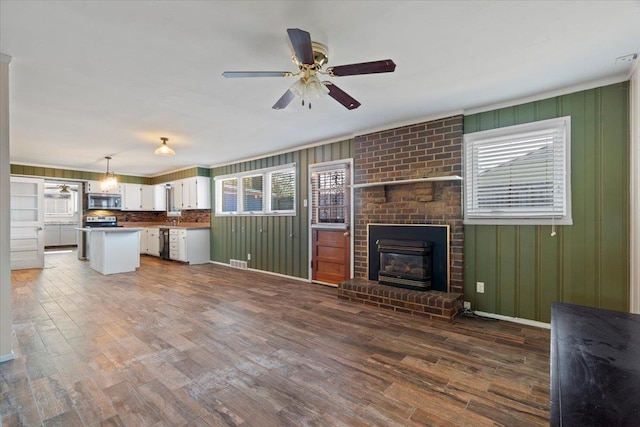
[
  {"x": 480, "y": 287},
  {"x": 305, "y": 203},
  {"x": 466, "y": 305},
  {"x": 248, "y": 257}
]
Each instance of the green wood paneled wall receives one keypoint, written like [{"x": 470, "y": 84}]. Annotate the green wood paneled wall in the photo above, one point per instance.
[
  {"x": 17, "y": 169},
  {"x": 279, "y": 244},
  {"x": 525, "y": 269},
  {"x": 187, "y": 173}
]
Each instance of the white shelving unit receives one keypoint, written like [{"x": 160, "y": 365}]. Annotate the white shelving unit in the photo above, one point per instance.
[{"x": 409, "y": 181}]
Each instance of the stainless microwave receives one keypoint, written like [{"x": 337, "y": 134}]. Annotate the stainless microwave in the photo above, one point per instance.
[{"x": 111, "y": 202}]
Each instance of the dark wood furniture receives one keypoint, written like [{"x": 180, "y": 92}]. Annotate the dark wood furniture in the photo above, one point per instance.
[{"x": 595, "y": 367}]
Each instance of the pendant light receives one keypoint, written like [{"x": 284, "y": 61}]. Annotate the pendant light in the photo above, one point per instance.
[
  {"x": 109, "y": 182},
  {"x": 164, "y": 149}
]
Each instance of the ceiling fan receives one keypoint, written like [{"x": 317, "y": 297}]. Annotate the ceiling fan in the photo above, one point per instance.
[
  {"x": 65, "y": 189},
  {"x": 310, "y": 57}
]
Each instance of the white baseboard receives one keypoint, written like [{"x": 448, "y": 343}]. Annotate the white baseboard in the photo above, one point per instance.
[
  {"x": 265, "y": 272},
  {"x": 7, "y": 357},
  {"x": 519, "y": 320}
]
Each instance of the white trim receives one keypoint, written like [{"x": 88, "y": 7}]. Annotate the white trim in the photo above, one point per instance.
[
  {"x": 255, "y": 270},
  {"x": 634, "y": 189},
  {"x": 561, "y": 138},
  {"x": 319, "y": 167},
  {"x": 346, "y": 137},
  {"x": 409, "y": 181},
  {"x": 287, "y": 150},
  {"x": 36, "y": 165},
  {"x": 7, "y": 357},
  {"x": 545, "y": 95},
  {"x": 519, "y": 320}
]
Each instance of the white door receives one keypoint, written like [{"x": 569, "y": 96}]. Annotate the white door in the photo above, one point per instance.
[{"x": 27, "y": 223}]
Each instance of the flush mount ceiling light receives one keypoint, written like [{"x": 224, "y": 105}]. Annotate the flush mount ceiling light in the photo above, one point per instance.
[
  {"x": 109, "y": 182},
  {"x": 164, "y": 149}
]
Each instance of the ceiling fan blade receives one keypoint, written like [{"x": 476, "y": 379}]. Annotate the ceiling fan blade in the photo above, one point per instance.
[
  {"x": 384, "y": 66},
  {"x": 341, "y": 96},
  {"x": 284, "y": 100},
  {"x": 301, "y": 42},
  {"x": 256, "y": 74}
]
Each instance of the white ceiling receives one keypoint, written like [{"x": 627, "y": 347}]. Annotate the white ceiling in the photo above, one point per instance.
[{"x": 96, "y": 78}]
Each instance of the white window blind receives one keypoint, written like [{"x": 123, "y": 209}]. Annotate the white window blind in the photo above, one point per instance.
[
  {"x": 229, "y": 189},
  {"x": 330, "y": 195},
  {"x": 283, "y": 189},
  {"x": 252, "y": 193},
  {"x": 519, "y": 174},
  {"x": 269, "y": 191}
]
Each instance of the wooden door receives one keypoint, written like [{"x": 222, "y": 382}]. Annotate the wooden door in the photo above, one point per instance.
[{"x": 331, "y": 261}]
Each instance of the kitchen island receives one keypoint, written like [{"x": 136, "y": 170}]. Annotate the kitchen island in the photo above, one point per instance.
[{"x": 114, "y": 249}]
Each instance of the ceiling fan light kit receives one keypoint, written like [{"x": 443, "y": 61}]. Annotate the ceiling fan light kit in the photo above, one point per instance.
[
  {"x": 164, "y": 149},
  {"x": 310, "y": 57}
]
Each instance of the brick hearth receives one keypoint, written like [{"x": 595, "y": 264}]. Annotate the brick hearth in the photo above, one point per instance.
[{"x": 432, "y": 304}]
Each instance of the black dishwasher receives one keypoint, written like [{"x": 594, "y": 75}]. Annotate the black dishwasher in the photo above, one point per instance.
[{"x": 164, "y": 243}]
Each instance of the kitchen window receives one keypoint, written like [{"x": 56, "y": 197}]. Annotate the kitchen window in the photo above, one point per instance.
[
  {"x": 269, "y": 191},
  {"x": 519, "y": 174}
]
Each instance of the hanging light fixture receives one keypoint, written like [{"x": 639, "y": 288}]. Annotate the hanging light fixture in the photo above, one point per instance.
[
  {"x": 109, "y": 181},
  {"x": 309, "y": 88},
  {"x": 164, "y": 149}
]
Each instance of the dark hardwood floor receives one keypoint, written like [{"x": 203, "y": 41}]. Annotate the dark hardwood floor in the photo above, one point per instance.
[{"x": 173, "y": 345}]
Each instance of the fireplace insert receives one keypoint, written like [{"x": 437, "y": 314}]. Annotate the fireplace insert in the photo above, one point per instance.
[{"x": 405, "y": 263}]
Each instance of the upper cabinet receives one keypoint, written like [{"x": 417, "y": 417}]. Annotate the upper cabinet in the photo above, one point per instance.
[
  {"x": 192, "y": 193},
  {"x": 154, "y": 197},
  {"x": 95, "y": 187},
  {"x": 131, "y": 197},
  {"x": 188, "y": 193},
  {"x": 140, "y": 197}
]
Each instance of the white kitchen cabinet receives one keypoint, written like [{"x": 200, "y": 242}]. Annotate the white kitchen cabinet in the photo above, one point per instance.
[
  {"x": 178, "y": 198},
  {"x": 68, "y": 234},
  {"x": 177, "y": 248},
  {"x": 193, "y": 193},
  {"x": 150, "y": 241},
  {"x": 154, "y": 197},
  {"x": 131, "y": 197},
  {"x": 94, "y": 187},
  {"x": 51, "y": 235},
  {"x": 144, "y": 241},
  {"x": 189, "y": 245},
  {"x": 153, "y": 241},
  {"x": 60, "y": 234}
]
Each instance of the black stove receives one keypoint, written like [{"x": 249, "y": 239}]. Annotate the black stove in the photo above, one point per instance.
[{"x": 101, "y": 221}]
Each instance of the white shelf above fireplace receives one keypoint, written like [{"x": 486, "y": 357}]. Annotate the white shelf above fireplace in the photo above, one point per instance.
[{"x": 409, "y": 181}]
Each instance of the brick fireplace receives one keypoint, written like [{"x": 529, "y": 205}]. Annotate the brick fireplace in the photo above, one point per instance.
[{"x": 429, "y": 149}]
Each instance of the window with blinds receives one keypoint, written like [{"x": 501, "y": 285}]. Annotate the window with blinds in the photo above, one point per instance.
[
  {"x": 270, "y": 191},
  {"x": 330, "y": 201},
  {"x": 252, "y": 192},
  {"x": 229, "y": 199},
  {"x": 283, "y": 190},
  {"x": 519, "y": 174}
]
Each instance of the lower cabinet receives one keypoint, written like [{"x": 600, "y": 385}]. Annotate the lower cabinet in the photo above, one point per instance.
[
  {"x": 60, "y": 235},
  {"x": 150, "y": 241},
  {"x": 188, "y": 245},
  {"x": 153, "y": 241}
]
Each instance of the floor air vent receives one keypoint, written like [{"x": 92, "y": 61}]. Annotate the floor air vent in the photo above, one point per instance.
[{"x": 238, "y": 264}]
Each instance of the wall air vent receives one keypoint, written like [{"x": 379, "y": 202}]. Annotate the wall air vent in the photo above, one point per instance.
[{"x": 242, "y": 265}]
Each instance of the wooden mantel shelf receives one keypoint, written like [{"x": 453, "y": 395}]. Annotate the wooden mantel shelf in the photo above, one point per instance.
[{"x": 409, "y": 181}]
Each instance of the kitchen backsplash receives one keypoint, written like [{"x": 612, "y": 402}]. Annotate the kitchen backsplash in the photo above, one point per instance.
[{"x": 196, "y": 215}]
